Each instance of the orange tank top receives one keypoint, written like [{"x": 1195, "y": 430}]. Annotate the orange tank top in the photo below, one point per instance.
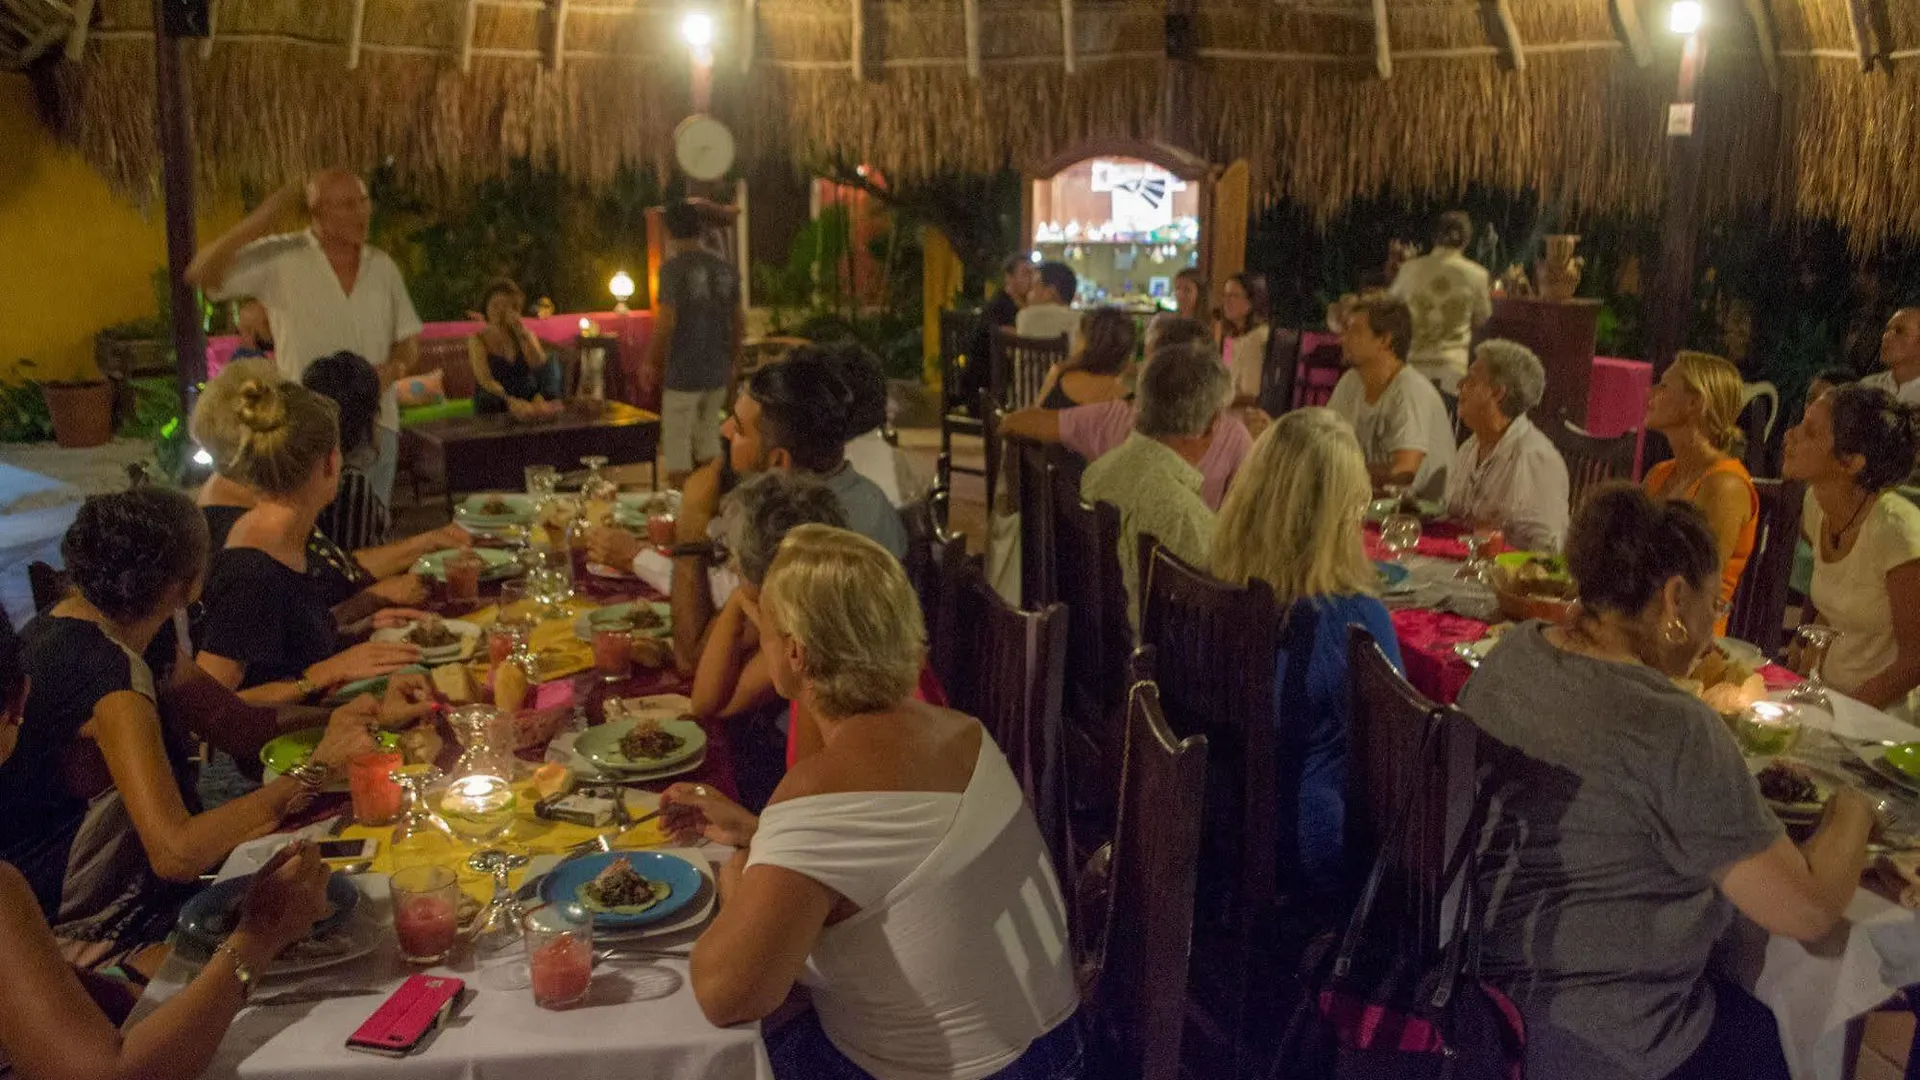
[{"x": 1656, "y": 482}]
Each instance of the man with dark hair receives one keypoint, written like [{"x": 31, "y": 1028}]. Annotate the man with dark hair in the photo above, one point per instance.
[
  {"x": 868, "y": 450},
  {"x": 1016, "y": 281},
  {"x": 1049, "y": 312},
  {"x": 1396, "y": 412},
  {"x": 697, "y": 327},
  {"x": 1449, "y": 295}
]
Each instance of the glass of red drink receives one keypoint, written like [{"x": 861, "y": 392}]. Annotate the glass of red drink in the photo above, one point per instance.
[
  {"x": 661, "y": 530},
  {"x": 376, "y": 797},
  {"x": 425, "y": 913},
  {"x": 559, "y": 939},
  {"x": 463, "y": 577},
  {"x": 613, "y": 650}
]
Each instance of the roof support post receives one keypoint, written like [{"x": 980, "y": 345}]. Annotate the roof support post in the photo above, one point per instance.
[
  {"x": 1069, "y": 47},
  {"x": 1501, "y": 16},
  {"x": 213, "y": 27},
  {"x": 557, "y": 38},
  {"x": 1627, "y": 13},
  {"x": 1382, "y": 41},
  {"x": 1763, "y": 35},
  {"x": 970, "y": 11},
  {"x": 355, "y": 25},
  {"x": 749, "y": 27},
  {"x": 1865, "y": 41},
  {"x": 467, "y": 22},
  {"x": 859, "y": 64},
  {"x": 82, "y": 22},
  {"x": 174, "y": 132}
]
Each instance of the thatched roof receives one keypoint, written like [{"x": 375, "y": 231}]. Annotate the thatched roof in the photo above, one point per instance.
[{"x": 451, "y": 89}]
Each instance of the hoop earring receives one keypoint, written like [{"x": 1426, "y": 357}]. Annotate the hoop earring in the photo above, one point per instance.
[{"x": 1673, "y": 631}]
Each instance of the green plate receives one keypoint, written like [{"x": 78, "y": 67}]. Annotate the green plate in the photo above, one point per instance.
[
  {"x": 377, "y": 686},
  {"x": 583, "y": 624},
  {"x": 497, "y": 564},
  {"x": 1905, "y": 760},
  {"x": 601, "y": 745},
  {"x": 295, "y": 747},
  {"x": 519, "y": 508}
]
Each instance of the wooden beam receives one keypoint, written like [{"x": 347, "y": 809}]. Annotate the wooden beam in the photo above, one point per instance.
[
  {"x": 970, "y": 11},
  {"x": 174, "y": 133},
  {"x": 1763, "y": 35},
  {"x": 82, "y": 22},
  {"x": 213, "y": 27},
  {"x": 1382, "y": 42},
  {"x": 557, "y": 52},
  {"x": 356, "y": 23},
  {"x": 859, "y": 39},
  {"x": 468, "y": 20},
  {"x": 1628, "y": 13},
  {"x": 749, "y": 29},
  {"x": 1069, "y": 48},
  {"x": 1861, "y": 26},
  {"x": 1502, "y": 17}
]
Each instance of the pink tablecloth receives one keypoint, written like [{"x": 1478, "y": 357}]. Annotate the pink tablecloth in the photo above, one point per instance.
[
  {"x": 1617, "y": 401},
  {"x": 1426, "y": 648}
]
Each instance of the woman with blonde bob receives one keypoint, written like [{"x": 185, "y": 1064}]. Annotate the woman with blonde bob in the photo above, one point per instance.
[
  {"x": 1696, "y": 405},
  {"x": 887, "y": 865},
  {"x": 1292, "y": 520}
]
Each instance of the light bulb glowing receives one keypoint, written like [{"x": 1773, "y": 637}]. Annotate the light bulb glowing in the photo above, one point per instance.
[
  {"x": 202, "y": 458},
  {"x": 621, "y": 286},
  {"x": 697, "y": 30},
  {"x": 1685, "y": 16}
]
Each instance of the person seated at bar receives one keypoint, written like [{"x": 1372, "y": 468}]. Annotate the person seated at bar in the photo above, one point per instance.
[
  {"x": 1048, "y": 312},
  {"x": 357, "y": 517},
  {"x": 1189, "y": 296},
  {"x": 887, "y": 866},
  {"x": 1153, "y": 479},
  {"x": 1696, "y": 405},
  {"x": 1853, "y": 449},
  {"x": 1292, "y": 521},
  {"x": 1093, "y": 430},
  {"x": 1017, "y": 275},
  {"x": 1395, "y": 411},
  {"x": 1629, "y": 829},
  {"x": 1508, "y": 475},
  {"x": 281, "y": 443},
  {"x": 868, "y": 450},
  {"x": 1097, "y": 369},
  {"x": 95, "y": 804},
  {"x": 511, "y": 370},
  {"x": 1243, "y": 334}
]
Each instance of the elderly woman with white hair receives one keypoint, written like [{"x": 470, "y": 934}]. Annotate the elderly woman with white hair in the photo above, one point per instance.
[
  {"x": 1508, "y": 474},
  {"x": 1292, "y": 520},
  {"x": 898, "y": 873}
]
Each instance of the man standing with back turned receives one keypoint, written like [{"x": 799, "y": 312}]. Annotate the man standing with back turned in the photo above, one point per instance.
[{"x": 696, "y": 339}]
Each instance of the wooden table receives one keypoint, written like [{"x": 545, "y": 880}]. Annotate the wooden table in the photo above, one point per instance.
[{"x": 478, "y": 453}]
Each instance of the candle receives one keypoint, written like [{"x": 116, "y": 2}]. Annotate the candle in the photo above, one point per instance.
[
  {"x": 585, "y": 325},
  {"x": 478, "y": 807}
]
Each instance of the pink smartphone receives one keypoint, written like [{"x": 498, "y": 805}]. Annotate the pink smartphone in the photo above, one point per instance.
[{"x": 404, "y": 1021}]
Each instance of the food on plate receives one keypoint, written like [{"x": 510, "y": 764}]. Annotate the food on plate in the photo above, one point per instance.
[
  {"x": 316, "y": 949},
  {"x": 421, "y": 744},
  {"x": 431, "y": 633},
  {"x": 621, "y": 887},
  {"x": 552, "y": 779},
  {"x": 496, "y": 507},
  {"x": 1545, "y": 576},
  {"x": 651, "y": 652},
  {"x": 645, "y": 618},
  {"x": 1788, "y": 784},
  {"x": 451, "y": 681},
  {"x": 535, "y": 728},
  {"x": 648, "y": 740},
  {"x": 1724, "y": 683}
]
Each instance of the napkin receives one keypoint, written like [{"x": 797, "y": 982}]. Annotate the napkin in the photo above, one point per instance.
[{"x": 657, "y": 570}]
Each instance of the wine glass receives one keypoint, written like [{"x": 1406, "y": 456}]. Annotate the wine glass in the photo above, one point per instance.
[
  {"x": 1477, "y": 540},
  {"x": 420, "y": 838},
  {"x": 1815, "y": 642},
  {"x": 1400, "y": 534},
  {"x": 498, "y": 926},
  {"x": 542, "y": 480}
]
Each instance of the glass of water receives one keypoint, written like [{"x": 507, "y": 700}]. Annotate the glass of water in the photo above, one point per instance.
[{"x": 1400, "y": 534}]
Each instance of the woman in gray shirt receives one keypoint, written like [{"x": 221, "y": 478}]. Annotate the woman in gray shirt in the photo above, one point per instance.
[{"x": 1633, "y": 829}]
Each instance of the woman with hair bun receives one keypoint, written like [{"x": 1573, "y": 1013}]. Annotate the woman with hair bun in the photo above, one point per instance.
[
  {"x": 1629, "y": 830},
  {"x": 280, "y": 440},
  {"x": 94, "y": 804},
  {"x": 1853, "y": 448},
  {"x": 1696, "y": 405}
]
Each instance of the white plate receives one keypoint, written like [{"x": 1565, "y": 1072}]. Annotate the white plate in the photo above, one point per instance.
[
  {"x": 446, "y": 654},
  {"x": 592, "y": 774},
  {"x": 361, "y": 929},
  {"x": 1741, "y": 652}
]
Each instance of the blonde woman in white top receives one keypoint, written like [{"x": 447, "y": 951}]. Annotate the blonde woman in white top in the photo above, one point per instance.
[
  {"x": 1852, "y": 448},
  {"x": 897, "y": 873}
]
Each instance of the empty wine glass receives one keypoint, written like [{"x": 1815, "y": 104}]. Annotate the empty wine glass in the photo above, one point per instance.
[
  {"x": 542, "y": 480},
  {"x": 1477, "y": 541},
  {"x": 1815, "y": 642},
  {"x": 1400, "y": 534}
]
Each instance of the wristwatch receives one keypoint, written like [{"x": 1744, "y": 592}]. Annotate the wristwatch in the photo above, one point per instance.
[
  {"x": 696, "y": 549},
  {"x": 241, "y": 971}
]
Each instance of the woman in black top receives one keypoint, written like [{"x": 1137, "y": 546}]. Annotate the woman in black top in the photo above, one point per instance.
[
  {"x": 357, "y": 517},
  {"x": 1097, "y": 372},
  {"x": 266, "y": 628},
  {"x": 510, "y": 370},
  {"x": 93, "y": 810}
]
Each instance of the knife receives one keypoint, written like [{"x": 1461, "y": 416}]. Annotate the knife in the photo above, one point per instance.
[{"x": 311, "y": 995}]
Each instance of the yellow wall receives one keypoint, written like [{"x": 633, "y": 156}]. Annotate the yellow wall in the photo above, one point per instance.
[{"x": 74, "y": 255}]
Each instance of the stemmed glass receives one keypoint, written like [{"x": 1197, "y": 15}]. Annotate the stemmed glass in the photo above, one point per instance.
[
  {"x": 549, "y": 579},
  {"x": 1400, "y": 534},
  {"x": 1477, "y": 540},
  {"x": 1815, "y": 641},
  {"x": 542, "y": 480},
  {"x": 499, "y": 925},
  {"x": 421, "y": 837},
  {"x": 597, "y": 493}
]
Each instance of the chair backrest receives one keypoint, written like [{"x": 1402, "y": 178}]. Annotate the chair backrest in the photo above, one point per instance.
[
  {"x": 1592, "y": 460},
  {"x": 1401, "y": 746},
  {"x": 1139, "y": 998},
  {"x": 47, "y": 584},
  {"x": 1216, "y": 646},
  {"x": 1086, "y": 561},
  {"x": 1020, "y": 366},
  {"x": 1279, "y": 370},
  {"x": 1760, "y": 600},
  {"x": 1315, "y": 375},
  {"x": 1759, "y": 411},
  {"x": 957, "y": 332},
  {"x": 1033, "y": 492},
  {"x": 922, "y": 520}
]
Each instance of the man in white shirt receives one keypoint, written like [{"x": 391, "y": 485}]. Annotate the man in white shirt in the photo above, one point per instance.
[
  {"x": 1398, "y": 415},
  {"x": 1900, "y": 352},
  {"x": 1449, "y": 295},
  {"x": 1508, "y": 474},
  {"x": 326, "y": 291},
  {"x": 1048, "y": 313}
]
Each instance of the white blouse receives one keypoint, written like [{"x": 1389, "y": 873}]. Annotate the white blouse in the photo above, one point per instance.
[
  {"x": 1851, "y": 592},
  {"x": 1246, "y": 357},
  {"x": 1522, "y": 485},
  {"x": 958, "y": 957}
]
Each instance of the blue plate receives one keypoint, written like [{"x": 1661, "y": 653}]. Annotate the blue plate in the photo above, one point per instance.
[
  {"x": 1392, "y": 575},
  {"x": 563, "y": 884},
  {"x": 207, "y": 919}
]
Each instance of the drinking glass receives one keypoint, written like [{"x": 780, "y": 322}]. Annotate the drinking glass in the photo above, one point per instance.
[
  {"x": 1477, "y": 541},
  {"x": 597, "y": 493},
  {"x": 559, "y": 939},
  {"x": 499, "y": 924},
  {"x": 1768, "y": 728},
  {"x": 1815, "y": 642},
  {"x": 513, "y": 623},
  {"x": 541, "y": 481},
  {"x": 1400, "y": 534},
  {"x": 426, "y": 908},
  {"x": 463, "y": 577},
  {"x": 613, "y": 650},
  {"x": 550, "y": 580},
  {"x": 376, "y": 797},
  {"x": 421, "y": 838}
]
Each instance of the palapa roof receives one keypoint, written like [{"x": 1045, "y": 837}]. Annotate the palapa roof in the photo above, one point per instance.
[{"x": 1325, "y": 102}]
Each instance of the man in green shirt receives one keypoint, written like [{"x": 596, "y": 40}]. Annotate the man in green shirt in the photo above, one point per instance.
[{"x": 1154, "y": 478}]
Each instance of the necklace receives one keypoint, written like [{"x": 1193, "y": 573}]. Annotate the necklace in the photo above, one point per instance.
[{"x": 1834, "y": 538}]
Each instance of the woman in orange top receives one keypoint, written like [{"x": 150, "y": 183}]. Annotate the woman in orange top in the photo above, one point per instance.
[{"x": 1695, "y": 405}]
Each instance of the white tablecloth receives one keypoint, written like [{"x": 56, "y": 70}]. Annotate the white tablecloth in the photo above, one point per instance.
[{"x": 499, "y": 1033}]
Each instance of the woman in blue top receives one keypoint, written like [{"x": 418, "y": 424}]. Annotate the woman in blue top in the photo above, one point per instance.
[{"x": 1292, "y": 520}]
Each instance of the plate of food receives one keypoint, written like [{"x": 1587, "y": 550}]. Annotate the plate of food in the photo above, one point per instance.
[
  {"x": 625, "y": 890},
  {"x": 1529, "y": 585},
  {"x": 1797, "y": 791},
  {"x": 494, "y": 564},
  {"x": 441, "y": 641},
  {"x": 634, "y": 508},
  {"x": 287, "y": 751},
  {"x": 648, "y": 617},
  {"x": 211, "y": 915},
  {"x": 1725, "y": 679},
  {"x": 641, "y": 744},
  {"x": 497, "y": 509}
]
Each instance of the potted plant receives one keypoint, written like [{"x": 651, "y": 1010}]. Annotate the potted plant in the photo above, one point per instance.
[
  {"x": 81, "y": 410},
  {"x": 23, "y": 409}
]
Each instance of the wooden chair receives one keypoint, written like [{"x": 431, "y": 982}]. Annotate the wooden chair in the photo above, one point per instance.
[
  {"x": 1401, "y": 746},
  {"x": 1592, "y": 460},
  {"x": 1315, "y": 375},
  {"x": 1020, "y": 366},
  {"x": 1760, "y": 600},
  {"x": 957, "y": 331},
  {"x": 47, "y": 584},
  {"x": 922, "y": 519},
  {"x": 1032, "y": 484},
  {"x": 1139, "y": 990},
  {"x": 990, "y": 412},
  {"x": 1086, "y": 577},
  {"x": 1280, "y": 370},
  {"x": 1216, "y": 645}
]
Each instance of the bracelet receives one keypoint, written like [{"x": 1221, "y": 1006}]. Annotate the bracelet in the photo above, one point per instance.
[
  {"x": 311, "y": 775},
  {"x": 306, "y": 686},
  {"x": 242, "y": 971},
  {"x": 697, "y": 549}
]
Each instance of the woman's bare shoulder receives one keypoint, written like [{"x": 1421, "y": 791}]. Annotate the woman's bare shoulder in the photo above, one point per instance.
[{"x": 873, "y": 757}]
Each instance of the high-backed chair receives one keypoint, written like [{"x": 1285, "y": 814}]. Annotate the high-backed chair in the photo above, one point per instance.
[
  {"x": 1087, "y": 579},
  {"x": 1033, "y": 489},
  {"x": 1020, "y": 367},
  {"x": 47, "y": 584},
  {"x": 1279, "y": 372},
  {"x": 1591, "y": 459},
  {"x": 1319, "y": 369},
  {"x": 1760, "y": 600},
  {"x": 957, "y": 332}
]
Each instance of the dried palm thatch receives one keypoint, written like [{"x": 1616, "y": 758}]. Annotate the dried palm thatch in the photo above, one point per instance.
[{"x": 450, "y": 90}]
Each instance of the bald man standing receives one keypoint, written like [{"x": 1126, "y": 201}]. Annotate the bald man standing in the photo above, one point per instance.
[
  {"x": 1900, "y": 352},
  {"x": 325, "y": 291}
]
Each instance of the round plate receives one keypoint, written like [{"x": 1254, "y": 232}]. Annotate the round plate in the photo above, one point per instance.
[
  {"x": 583, "y": 623},
  {"x": 1901, "y": 780},
  {"x": 695, "y": 913},
  {"x": 1825, "y": 782},
  {"x": 211, "y": 915},
  {"x": 469, "y": 634},
  {"x": 601, "y": 746},
  {"x": 683, "y": 883},
  {"x": 495, "y": 564},
  {"x": 1392, "y": 575},
  {"x": 519, "y": 509},
  {"x": 1905, "y": 760},
  {"x": 1741, "y": 652}
]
